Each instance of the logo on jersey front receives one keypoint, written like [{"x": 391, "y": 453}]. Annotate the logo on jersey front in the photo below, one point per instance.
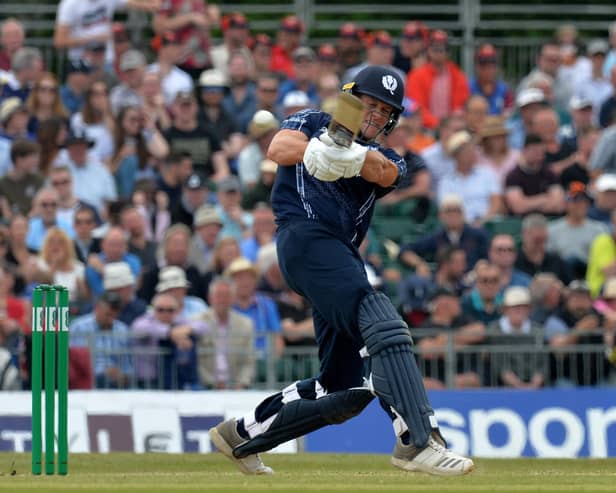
[{"x": 389, "y": 83}]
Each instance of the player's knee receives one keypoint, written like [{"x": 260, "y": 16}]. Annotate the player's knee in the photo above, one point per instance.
[{"x": 345, "y": 404}]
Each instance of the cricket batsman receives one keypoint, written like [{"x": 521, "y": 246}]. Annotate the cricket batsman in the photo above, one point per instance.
[{"x": 323, "y": 199}]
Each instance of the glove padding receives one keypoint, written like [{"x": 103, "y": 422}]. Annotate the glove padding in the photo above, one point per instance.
[{"x": 327, "y": 161}]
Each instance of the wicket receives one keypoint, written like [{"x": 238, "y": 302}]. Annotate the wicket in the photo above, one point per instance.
[{"x": 50, "y": 322}]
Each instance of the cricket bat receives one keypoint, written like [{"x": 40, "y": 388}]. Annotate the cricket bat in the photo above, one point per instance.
[{"x": 346, "y": 119}]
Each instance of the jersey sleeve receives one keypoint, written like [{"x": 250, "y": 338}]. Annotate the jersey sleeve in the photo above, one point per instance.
[
  {"x": 402, "y": 170},
  {"x": 66, "y": 13},
  {"x": 309, "y": 122}
]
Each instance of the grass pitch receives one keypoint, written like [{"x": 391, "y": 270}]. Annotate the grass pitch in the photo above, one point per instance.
[{"x": 154, "y": 473}]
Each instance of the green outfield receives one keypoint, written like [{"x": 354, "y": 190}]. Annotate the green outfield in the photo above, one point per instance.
[{"x": 153, "y": 473}]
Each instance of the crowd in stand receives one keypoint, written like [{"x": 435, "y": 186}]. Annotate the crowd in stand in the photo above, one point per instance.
[{"x": 141, "y": 183}]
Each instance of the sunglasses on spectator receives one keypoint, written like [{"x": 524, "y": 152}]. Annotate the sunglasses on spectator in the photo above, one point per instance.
[
  {"x": 504, "y": 249},
  {"x": 84, "y": 221},
  {"x": 59, "y": 183},
  {"x": 49, "y": 204},
  {"x": 452, "y": 209},
  {"x": 268, "y": 89},
  {"x": 164, "y": 309},
  {"x": 48, "y": 88},
  {"x": 487, "y": 280}
]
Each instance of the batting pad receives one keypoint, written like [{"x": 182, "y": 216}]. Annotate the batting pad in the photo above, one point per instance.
[
  {"x": 394, "y": 375},
  {"x": 301, "y": 416}
]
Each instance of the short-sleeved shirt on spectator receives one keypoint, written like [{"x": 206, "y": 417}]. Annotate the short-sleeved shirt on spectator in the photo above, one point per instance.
[
  {"x": 531, "y": 183},
  {"x": 199, "y": 142}
]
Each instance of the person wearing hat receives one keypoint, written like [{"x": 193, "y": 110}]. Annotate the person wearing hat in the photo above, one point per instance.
[
  {"x": 349, "y": 45},
  {"x": 262, "y": 191},
  {"x": 304, "y": 69},
  {"x": 494, "y": 150},
  {"x": 187, "y": 134},
  {"x": 602, "y": 257},
  {"x": 528, "y": 102},
  {"x": 261, "y": 129},
  {"x": 92, "y": 181},
  {"x": 571, "y": 236},
  {"x": 597, "y": 87},
  {"x": 517, "y": 369},
  {"x": 78, "y": 78},
  {"x": 236, "y": 35},
  {"x": 487, "y": 82},
  {"x": 14, "y": 118},
  {"x": 261, "y": 50},
  {"x": 379, "y": 51},
  {"x": 327, "y": 61},
  {"x": 477, "y": 185},
  {"x": 411, "y": 49},
  {"x": 288, "y": 40},
  {"x": 170, "y": 52},
  {"x": 194, "y": 195},
  {"x": 119, "y": 279},
  {"x": 581, "y": 121},
  {"x": 295, "y": 101},
  {"x": 132, "y": 68},
  {"x": 421, "y": 83},
  {"x": 207, "y": 226},
  {"x": 172, "y": 280},
  {"x": 604, "y": 199},
  {"x": 26, "y": 67},
  {"x": 531, "y": 186},
  {"x": 109, "y": 337}
]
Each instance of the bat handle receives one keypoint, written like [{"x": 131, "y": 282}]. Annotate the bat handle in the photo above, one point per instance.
[{"x": 340, "y": 134}]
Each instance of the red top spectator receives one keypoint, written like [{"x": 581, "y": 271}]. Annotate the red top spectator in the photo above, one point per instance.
[
  {"x": 439, "y": 87},
  {"x": 289, "y": 34}
]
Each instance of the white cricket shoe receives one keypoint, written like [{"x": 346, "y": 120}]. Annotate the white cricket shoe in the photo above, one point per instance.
[
  {"x": 434, "y": 458},
  {"x": 226, "y": 438}
]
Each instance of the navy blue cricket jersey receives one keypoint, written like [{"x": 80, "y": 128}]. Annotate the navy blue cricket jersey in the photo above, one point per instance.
[{"x": 345, "y": 206}]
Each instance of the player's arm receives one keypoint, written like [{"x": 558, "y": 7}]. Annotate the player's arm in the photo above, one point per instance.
[
  {"x": 378, "y": 169},
  {"x": 62, "y": 37},
  {"x": 287, "y": 147}
]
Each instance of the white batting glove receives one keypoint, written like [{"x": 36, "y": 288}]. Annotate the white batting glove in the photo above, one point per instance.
[
  {"x": 351, "y": 159},
  {"x": 318, "y": 165}
]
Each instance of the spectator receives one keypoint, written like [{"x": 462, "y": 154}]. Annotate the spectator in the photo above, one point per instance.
[
  {"x": 272, "y": 281},
  {"x": 581, "y": 120},
  {"x": 611, "y": 56},
  {"x": 327, "y": 61},
  {"x": 603, "y": 157},
  {"x": 44, "y": 217},
  {"x": 132, "y": 70},
  {"x": 96, "y": 121},
  {"x": 577, "y": 323},
  {"x": 136, "y": 140},
  {"x": 446, "y": 316},
  {"x": 121, "y": 44},
  {"x": 114, "y": 248},
  {"x": 411, "y": 50},
  {"x": 502, "y": 253},
  {"x": 483, "y": 302},
  {"x": 78, "y": 78},
  {"x": 51, "y": 136},
  {"x": 92, "y": 181},
  {"x": 94, "y": 57},
  {"x": 108, "y": 340},
  {"x": 236, "y": 33},
  {"x": 517, "y": 369},
  {"x": 226, "y": 356},
  {"x": 22, "y": 182},
  {"x": 85, "y": 244},
  {"x": 133, "y": 222},
  {"x": 226, "y": 250},
  {"x": 293, "y": 102},
  {"x": 57, "y": 264},
  {"x": 602, "y": 258},
  {"x": 597, "y": 88},
  {"x": 579, "y": 171},
  {"x": 194, "y": 195},
  {"x": 531, "y": 186},
  {"x": 172, "y": 280},
  {"x": 439, "y": 162},
  {"x": 44, "y": 101},
  {"x": 118, "y": 278},
  {"x": 14, "y": 121},
  {"x": 153, "y": 100},
  {"x": 61, "y": 180},
  {"x": 349, "y": 45},
  {"x": 528, "y": 102},
  {"x": 172, "y": 78},
  {"x": 175, "y": 249},
  {"x": 262, "y": 191},
  {"x": 478, "y": 186},
  {"x": 379, "y": 51},
  {"x": 192, "y": 20},
  {"x": 487, "y": 83},
  {"x": 260, "y": 308},
  {"x": 606, "y": 306},
  {"x": 12, "y": 38},
  {"x": 533, "y": 256},
  {"x": 18, "y": 252},
  {"x": 546, "y": 296},
  {"x": 570, "y": 237},
  {"x": 263, "y": 232},
  {"x": 548, "y": 63},
  {"x": 287, "y": 40},
  {"x": 608, "y": 107},
  {"x": 605, "y": 199},
  {"x": 212, "y": 115},
  {"x": 207, "y": 227},
  {"x": 261, "y": 48},
  {"x": 439, "y": 87},
  {"x": 267, "y": 86},
  {"x": 304, "y": 68},
  {"x": 14, "y": 324},
  {"x": 187, "y": 135},
  {"x": 475, "y": 112},
  {"x": 262, "y": 129},
  {"x": 236, "y": 222},
  {"x": 26, "y": 67},
  {"x": 559, "y": 155},
  {"x": 241, "y": 100},
  {"x": 455, "y": 232},
  {"x": 171, "y": 174},
  {"x": 328, "y": 87},
  {"x": 495, "y": 152}
]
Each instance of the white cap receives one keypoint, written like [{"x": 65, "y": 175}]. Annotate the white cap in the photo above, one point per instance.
[
  {"x": 451, "y": 200},
  {"x": 516, "y": 296},
  {"x": 117, "y": 275},
  {"x": 457, "y": 140},
  {"x": 529, "y": 96},
  {"x": 579, "y": 102},
  {"x": 296, "y": 99},
  {"x": 171, "y": 277},
  {"x": 213, "y": 78},
  {"x": 606, "y": 182}
]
